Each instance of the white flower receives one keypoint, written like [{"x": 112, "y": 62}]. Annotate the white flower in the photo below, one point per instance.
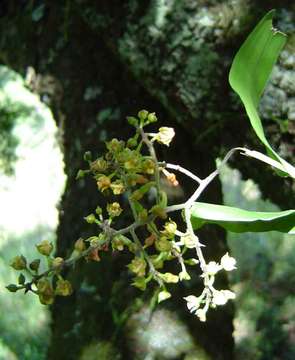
[
  {"x": 228, "y": 263},
  {"x": 201, "y": 314},
  {"x": 192, "y": 302},
  {"x": 164, "y": 136},
  {"x": 229, "y": 294},
  {"x": 212, "y": 268},
  {"x": 220, "y": 297}
]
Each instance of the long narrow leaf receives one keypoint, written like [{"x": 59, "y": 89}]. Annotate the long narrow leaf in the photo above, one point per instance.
[
  {"x": 239, "y": 220},
  {"x": 250, "y": 71}
]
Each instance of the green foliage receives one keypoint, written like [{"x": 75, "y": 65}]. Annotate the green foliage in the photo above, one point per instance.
[
  {"x": 8, "y": 141},
  {"x": 239, "y": 220},
  {"x": 250, "y": 71}
]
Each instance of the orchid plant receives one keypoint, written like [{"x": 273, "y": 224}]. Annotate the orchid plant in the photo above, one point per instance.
[{"x": 129, "y": 173}]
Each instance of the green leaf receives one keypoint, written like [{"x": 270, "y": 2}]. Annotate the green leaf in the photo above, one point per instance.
[
  {"x": 239, "y": 220},
  {"x": 250, "y": 71}
]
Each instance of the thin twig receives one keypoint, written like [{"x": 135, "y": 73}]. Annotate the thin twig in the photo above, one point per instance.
[
  {"x": 184, "y": 171},
  {"x": 152, "y": 152}
]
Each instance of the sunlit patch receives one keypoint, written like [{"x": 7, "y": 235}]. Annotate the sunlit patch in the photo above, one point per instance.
[{"x": 28, "y": 212}]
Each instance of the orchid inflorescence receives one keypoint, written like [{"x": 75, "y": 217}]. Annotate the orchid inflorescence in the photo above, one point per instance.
[{"x": 130, "y": 174}]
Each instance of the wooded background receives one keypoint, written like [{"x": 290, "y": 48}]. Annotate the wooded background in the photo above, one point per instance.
[{"x": 96, "y": 62}]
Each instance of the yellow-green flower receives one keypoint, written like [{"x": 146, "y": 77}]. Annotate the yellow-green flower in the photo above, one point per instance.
[
  {"x": 169, "y": 229},
  {"x": 163, "y": 244},
  {"x": 45, "y": 247},
  {"x": 19, "y": 263},
  {"x": 57, "y": 262},
  {"x": 118, "y": 187},
  {"x": 63, "y": 288},
  {"x": 45, "y": 292},
  {"x": 103, "y": 183},
  {"x": 138, "y": 266},
  {"x": 80, "y": 245},
  {"x": 114, "y": 209},
  {"x": 99, "y": 165}
]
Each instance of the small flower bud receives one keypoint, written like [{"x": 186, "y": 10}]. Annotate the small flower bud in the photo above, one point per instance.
[
  {"x": 143, "y": 215},
  {"x": 34, "y": 265},
  {"x": 159, "y": 211},
  {"x": 163, "y": 295},
  {"x": 93, "y": 255},
  {"x": 21, "y": 279},
  {"x": 132, "y": 121},
  {"x": 171, "y": 177},
  {"x": 63, "y": 288},
  {"x": 98, "y": 210},
  {"x": 162, "y": 244},
  {"x": 90, "y": 219},
  {"x": 184, "y": 275},
  {"x": 114, "y": 209},
  {"x": 140, "y": 283},
  {"x": 12, "y": 287},
  {"x": 157, "y": 261},
  {"x": 132, "y": 143},
  {"x": 80, "y": 245},
  {"x": 19, "y": 263},
  {"x": 152, "y": 118},
  {"x": 57, "y": 262},
  {"x": 142, "y": 114},
  {"x": 44, "y": 247},
  {"x": 169, "y": 278},
  {"x": 191, "y": 261},
  {"x": 99, "y": 165},
  {"x": 87, "y": 156}
]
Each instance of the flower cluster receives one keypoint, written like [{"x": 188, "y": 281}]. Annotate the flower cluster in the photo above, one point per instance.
[
  {"x": 129, "y": 175},
  {"x": 46, "y": 285},
  {"x": 210, "y": 296}
]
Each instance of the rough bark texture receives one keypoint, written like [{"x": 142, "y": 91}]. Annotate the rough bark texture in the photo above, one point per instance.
[{"x": 98, "y": 63}]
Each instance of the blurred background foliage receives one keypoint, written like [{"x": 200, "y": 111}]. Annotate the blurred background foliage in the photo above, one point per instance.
[
  {"x": 31, "y": 182},
  {"x": 265, "y": 317}
]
